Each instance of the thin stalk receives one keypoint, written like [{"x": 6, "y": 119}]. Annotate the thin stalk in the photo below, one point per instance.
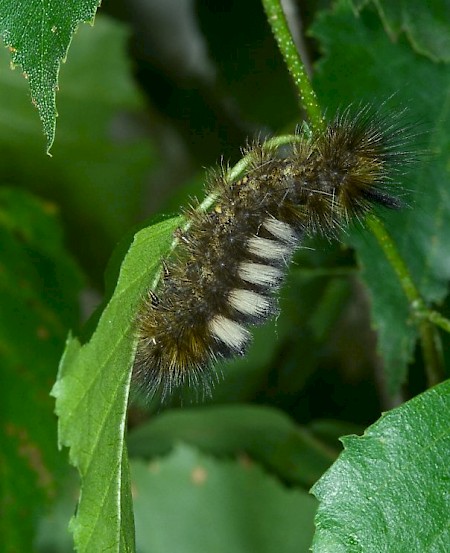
[
  {"x": 429, "y": 338},
  {"x": 396, "y": 262},
  {"x": 294, "y": 63},
  {"x": 437, "y": 319}
]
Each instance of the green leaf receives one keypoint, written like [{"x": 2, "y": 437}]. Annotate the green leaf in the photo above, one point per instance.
[
  {"x": 358, "y": 56},
  {"x": 265, "y": 434},
  {"x": 92, "y": 396},
  {"x": 390, "y": 311},
  {"x": 426, "y": 24},
  {"x": 101, "y": 158},
  {"x": 38, "y": 35},
  {"x": 189, "y": 502},
  {"x": 389, "y": 489},
  {"x": 39, "y": 287}
]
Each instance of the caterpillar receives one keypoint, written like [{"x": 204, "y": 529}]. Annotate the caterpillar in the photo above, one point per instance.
[{"x": 231, "y": 260}]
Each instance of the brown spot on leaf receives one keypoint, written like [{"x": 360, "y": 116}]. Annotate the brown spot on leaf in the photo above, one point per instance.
[
  {"x": 154, "y": 467},
  {"x": 42, "y": 333},
  {"x": 199, "y": 476},
  {"x": 32, "y": 455},
  {"x": 244, "y": 460}
]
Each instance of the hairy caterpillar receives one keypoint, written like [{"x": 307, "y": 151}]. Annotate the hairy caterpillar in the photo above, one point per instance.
[{"x": 233, "y": 258}]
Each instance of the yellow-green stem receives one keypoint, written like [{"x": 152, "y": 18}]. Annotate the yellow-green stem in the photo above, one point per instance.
[
  {"x": 429, "y": 337},
  {"x": 294, "y": 63}
]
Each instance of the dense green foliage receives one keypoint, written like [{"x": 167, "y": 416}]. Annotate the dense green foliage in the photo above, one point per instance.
[{"x": 148, "y": 97}]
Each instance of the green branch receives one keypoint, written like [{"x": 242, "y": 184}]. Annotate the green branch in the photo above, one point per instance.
[
  {"x": 294, "y": 63},
  {"x": 437, "y": 319},
  {"x": 429, "y": 337}
]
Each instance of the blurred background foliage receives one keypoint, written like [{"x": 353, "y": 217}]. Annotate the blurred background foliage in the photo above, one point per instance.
[{"x": 151, "y": 95}]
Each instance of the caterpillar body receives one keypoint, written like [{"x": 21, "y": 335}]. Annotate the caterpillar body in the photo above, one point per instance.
[{"x": 232, "y": 259}]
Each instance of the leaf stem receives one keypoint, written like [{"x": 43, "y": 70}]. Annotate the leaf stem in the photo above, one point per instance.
[
  {"x": 429, "y": 337},
  {"x": 397, "y": 263},
  {"x": 437, "y": 319},
  {"x": 294, "y": 63}
]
